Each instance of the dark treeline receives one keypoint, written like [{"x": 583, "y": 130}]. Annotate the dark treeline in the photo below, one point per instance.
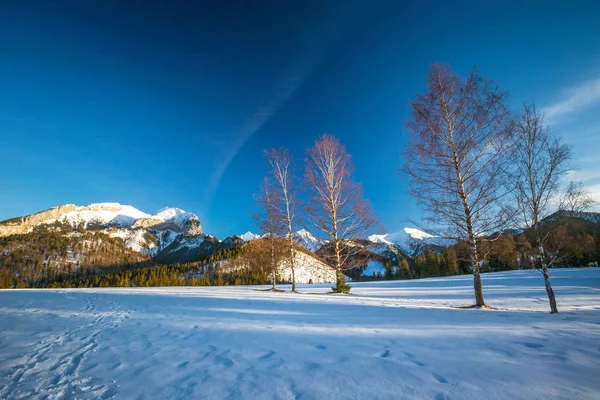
[
  {"x": 214, "y": 270},
  {"x": 29, "y": 266},
  {"x": 163, "y": 275},
  {"x": 54, "y": 250},
  {"x": 577, "y": 238}
]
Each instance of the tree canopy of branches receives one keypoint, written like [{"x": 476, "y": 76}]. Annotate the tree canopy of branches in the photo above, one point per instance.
[
  {"x": 336, "y": 206},
  {"x": 460, "y": 133},
  {"x": 285, "y": 198},
  {"x": 541, "y": 161},
  {"x": 269, "y": 222}
]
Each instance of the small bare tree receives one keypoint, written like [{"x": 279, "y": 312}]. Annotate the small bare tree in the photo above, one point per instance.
[
  {"x": 455, "y": 158},
  {"x": 286, "y": 201},
  {"x": 336, "y": 206},
  {"x": 269, "y": 223},
  {"x": 541, "y": 161}
]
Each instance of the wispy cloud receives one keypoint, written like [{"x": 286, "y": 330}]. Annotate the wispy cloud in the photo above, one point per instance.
[
  {"x": 258, "y": 119},
  {"x": 594, "y": 192},
  {"x": 575, "y": 99},
  {"x": 584, "y": 175},
  {"x": 297, "y": 74}
]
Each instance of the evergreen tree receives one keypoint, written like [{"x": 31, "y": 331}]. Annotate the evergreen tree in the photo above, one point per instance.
[{"x": 404, "y": 269}]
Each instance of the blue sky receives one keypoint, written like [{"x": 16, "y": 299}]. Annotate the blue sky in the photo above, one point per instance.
[{"x": 170, "y": 104}]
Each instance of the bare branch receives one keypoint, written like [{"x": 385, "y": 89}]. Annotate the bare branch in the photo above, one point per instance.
[
  {"x": 460, "y": 136},
  {"x": 337, "y": 207}
]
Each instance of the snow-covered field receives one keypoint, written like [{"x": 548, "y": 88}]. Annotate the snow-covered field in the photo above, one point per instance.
[{"x": 389, "y": 340}]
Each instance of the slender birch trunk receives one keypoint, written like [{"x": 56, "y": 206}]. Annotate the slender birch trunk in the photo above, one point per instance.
[
  {"x": 281, "y": 164},
  {"x": 460, "y": 134}
]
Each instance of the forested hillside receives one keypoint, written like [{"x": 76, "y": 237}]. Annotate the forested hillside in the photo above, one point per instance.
[
  {"x": 575, "y": 237},
  {"x": 54, "y": 250},
  {"x": 54, "y": 255}
]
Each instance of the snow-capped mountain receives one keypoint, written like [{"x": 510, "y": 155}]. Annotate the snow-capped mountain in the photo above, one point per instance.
[
  {"x": 249, "y": 236},
  {"x": 184, "y": 220},
  {"x": 102, "y": 215},
  {"x": 168, "y": 231},
  {"x": 409, "y": 240},
  {"x": 399, "y": 237},
  {"x": 308, "y": 240},
  {"x": 302, "y": 237},
  {"x": 417, "y": 234}
]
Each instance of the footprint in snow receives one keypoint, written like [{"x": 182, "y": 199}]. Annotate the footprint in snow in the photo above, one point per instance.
[
  {"x": 182, "y": 365},
  {"x": 314, "y": 366},
  {"x": 115, "y": 366},
  {"x": 267, "y": 356},
  {"x": 412, "y": 360},
  {"x": 385, "y": 354},
  {"x": 320, "y": 347},
  {"x": 224, "y": 360},
  {"x": 439, "y": 378},
  {"x": 536, "y": 327},
  {"x": 532, "y": 345}
]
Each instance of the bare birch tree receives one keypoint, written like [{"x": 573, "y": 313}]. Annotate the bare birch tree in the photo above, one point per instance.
[
  {"x": 460, "y": 136},
  {"x": 541, "y": 161},
  {"x": 286, "y": 201},
  {"x": 336, "y": 206},
  {"x": 269, "y": 223}
]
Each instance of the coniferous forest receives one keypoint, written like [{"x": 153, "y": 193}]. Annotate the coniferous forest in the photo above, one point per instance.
[{"x": 46, "y": 258}]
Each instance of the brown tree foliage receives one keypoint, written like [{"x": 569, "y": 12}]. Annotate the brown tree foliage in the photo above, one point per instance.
[
  {"x": 260, "y": 254},
  {"x": 336, "y": 206}
]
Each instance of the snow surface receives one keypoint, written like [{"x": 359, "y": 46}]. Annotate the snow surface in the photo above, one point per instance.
[
  {"x": 380, "y": 239},
  {"x": 373, "y": 267},
  {"x": 123, "y": 216},
  {"x": 307, "y": 269},
  {"x": 166, "y": 238},
  {"x": 136, "y": 240},
  {"x": 167, "y": 213},
  {"x": 103, "y": 213},
  {"x": 302, "y": 237},
  {"x": 417, "y": 234},
  {"x": 308, "y": 240},
  {"x": 249, "y": 236},
  {"x": 389, "y": 340},
  {"x": 400, "y": 236},
  {"x": 177, "y": 215},
  {"x": 190, "y": 242}
]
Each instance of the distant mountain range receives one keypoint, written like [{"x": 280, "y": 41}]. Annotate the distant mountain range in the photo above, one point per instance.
[
  {"x": 174, "y": 235},
  {"x": 171, "y": 231},
  {"x": 302, "y": 237},
  {"x": 68, "y": 238},
  {"x": 168, "y": 236}
]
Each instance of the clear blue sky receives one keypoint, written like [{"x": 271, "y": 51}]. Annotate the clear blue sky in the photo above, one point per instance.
[{"x": 170, "y": 104}]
